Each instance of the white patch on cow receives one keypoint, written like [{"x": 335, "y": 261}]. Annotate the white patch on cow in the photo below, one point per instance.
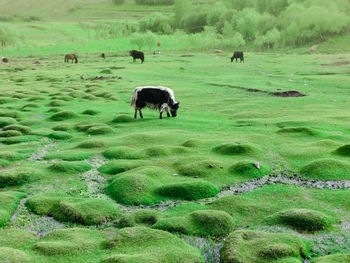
[
  {"x": 138, "y": 89},
  {"x": 164, "y": 107}
]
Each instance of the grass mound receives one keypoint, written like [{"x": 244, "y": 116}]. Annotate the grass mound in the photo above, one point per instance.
[
  {"x": 193, "y": 190},
  {"x": 91, "y": 144},
  {"x": 235, "y": 149},
  {"x": 60, "y": 135},
  {"x": 90, "y": 112},
  {"x": 193, "y": 167},
  {"x": 19, "y": 176},
  {"x": 46, "y": 203},
  {"x": 139, "y": 216},
  {"x": 69, "y": 241},
  {"x": 17, "y": 127},
  {"x": 337, "y": 258},
  {"x": 119, "y": 166},
  {"x": 12, "y": 156},
  {"x": 302, "y": 219},
  {"x": 123, "y": 119},
  {"x": 89, "y": 211},
  {"x": 254, "y": 246},
  {"x": 63, "y": 115},
  {"x": 192, "y": 143},
  {"x": 99, "y": 130},
  {"x": 298, "y": 131},
  {"x": 4, "y": 163},
  {"x": 248, "y": 169},
  {"x": 343, "y": 150},
  {"x": 8, "y": 203},
  {"x": 63, "y": 127},
  {"x": 10, "y": 134},
  {"x": 70, "y": 155},
  {"x": 57, "y": 103},
  {"x": 70, "y": 167},
  {"x": 5, "y": 121},
  {"x": 327, "y": 169},
  {"x": 10, "y": 114},
  {"x": 132, "y": 189},
  {"x": 122, "y": 152},
  {"x": 199, "y": 223},
  {"x": 12, "y": 255},
  {"x": 21, "y": 139},
  {"x": 140, "y": 244},
  {"x": 83, "y": 126},
  {"x": 16, "y": 238}
]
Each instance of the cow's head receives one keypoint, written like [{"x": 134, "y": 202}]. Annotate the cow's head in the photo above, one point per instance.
[
  {"x": 174, "y": 108},
  {"x": 232, "y": 58}
]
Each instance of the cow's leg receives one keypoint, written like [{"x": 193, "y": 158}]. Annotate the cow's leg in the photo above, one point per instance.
[
  {"x": 167, "y": 112},
  {"x": 141, "y": 116},
  {"x": 162, "y": 108},
  {"x": 135, "y": 115}
]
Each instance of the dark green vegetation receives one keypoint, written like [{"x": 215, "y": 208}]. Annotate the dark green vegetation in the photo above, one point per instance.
[{"x": 123, "y": 190}]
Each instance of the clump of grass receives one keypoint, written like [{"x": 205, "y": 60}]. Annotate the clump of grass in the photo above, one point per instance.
[
  {"x": 46, "y": 203},
  {"x": 326, "y": 169},
  {"x": 12, "y": 156},
  {"x": 17, "y": 127},
  {"x": 106, "y": 71},
  {"x": 119, "y": 166},
  {"x": 4, "y": 163},
  {"x": 69, "y": 155},
  {"x": 91, "y": 144},
  {"x": 192, "y": 190},
  {"x": 298, "y": 131},
  {"x": 302, "y": 219},
  {"x": 63, "y": 115},
  {"x": 19, "y": 176},
  {"x": 63, "y": 127},
  {"x": 122, "y": 118},
  {"x": 192, "y": 143},
  {"x": 16, "y": 238},
  {"x": 10, "y": 114},
  {"x": 8, "y": 203},
  {"x": 132, "y": 189},
  {"x": 5, "y": 121},
  {"x": 83, "y": 126},
  {"x": 122, "y": 152},
  {"x": 21, "y": 139},
  {"x": 10, "y": 134},
  {"x": 12, "y": 255},
  {"x": 70, "y": 167},
  {"x": 57, "y": 103},
  {"x": 248, "y": 169},
  {"x": 343, "y": 150},
  {"x": 69, "y": 241},
  {"x": 137, "y": 244},
  {"x": 235, "y": 149},
  {"x": 337, "y": 258},
  {"x": 193, "y": 167},
  {"x": 90, "y": 112},
  {"x": 60, "y": 135},
  {"x": 254, "y": 246},
  {"x": 139, "y": 216},
  {"x": 100, "y": 130}
]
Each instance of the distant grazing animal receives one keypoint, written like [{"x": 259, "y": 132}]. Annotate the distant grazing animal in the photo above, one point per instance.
[
  {"x": 155, "y": 98},
  {"x": 71, "y": 57},
  {"x": 137, "y": 55},
  {"x": 103, "y": 55},
  {"x": 238, "y": 55},
  {"x": 5, "y": 60}
]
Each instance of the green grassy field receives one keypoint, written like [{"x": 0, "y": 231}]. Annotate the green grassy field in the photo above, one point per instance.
[{"x": 255, "y": 168}]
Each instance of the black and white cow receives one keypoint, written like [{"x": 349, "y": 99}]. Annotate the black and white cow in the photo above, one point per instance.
[
  {"x": 155, "y": 98},
  {"x": 238, "y": 55}
]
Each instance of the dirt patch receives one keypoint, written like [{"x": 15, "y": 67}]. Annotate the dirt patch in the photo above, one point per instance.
[
  {"x": 101, "y": 78},
  {"x": 337, "y": 64},
  {"x": 289, "y": 93}
]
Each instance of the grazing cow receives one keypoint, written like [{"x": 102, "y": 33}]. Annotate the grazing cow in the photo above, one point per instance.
[
  {"x": 103, "y": 55},
  {"x": 5, "y": 60},
  {"x": 71, "y": 57},
  {"x": 155, "y": 98},
  {"x": 237, "y": 55},
  {"x": 137, "y": 55}
]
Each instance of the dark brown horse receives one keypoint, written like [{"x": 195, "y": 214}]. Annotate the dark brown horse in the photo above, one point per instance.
[{"x": 71, "y": 57}]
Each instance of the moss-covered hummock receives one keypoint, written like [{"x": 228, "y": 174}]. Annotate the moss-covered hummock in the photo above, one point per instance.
[
  {"x": 122, "y": 152},
  {"x": 123, "y": 119},
  {"x": 70, "y": 167},
  {"x": 140, "y": 244},
  {"x": 298, "y": 131},
  {"x": 343, "y": 150},
  {"x": 8, "y": 204},
  {"x": 302, "y": 219},
  {"x": 189, "y": 190},
  {"x": 200, "y": 223},
  {"x": 69, "y": 241},
  {"x": 17, "y": 127},
  {"x": 10, "y": 133},
  {"x": 259, "y": 247},
  {"x": 69, "y": 155},
  {"x": 248, "y": 169},
  {"x": 235, "y": 149},
  {"x": 63, "y": 115},
  {"x": 119, "y": 166},
  {"x": 202, "y": 168},
  {"x": 327, "y": 169},
  {"x": 12, "y": 255},
  {"x": 91, "y": 144},
  {"x": 139, "y": 216},
  {"x": 19, "y": 176},
  {"x": 5, "y": 121},
  {"x": 60, "y": 135}
]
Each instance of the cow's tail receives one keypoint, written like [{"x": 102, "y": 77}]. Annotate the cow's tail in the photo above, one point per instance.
[{"x": 134, "y": 98}]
